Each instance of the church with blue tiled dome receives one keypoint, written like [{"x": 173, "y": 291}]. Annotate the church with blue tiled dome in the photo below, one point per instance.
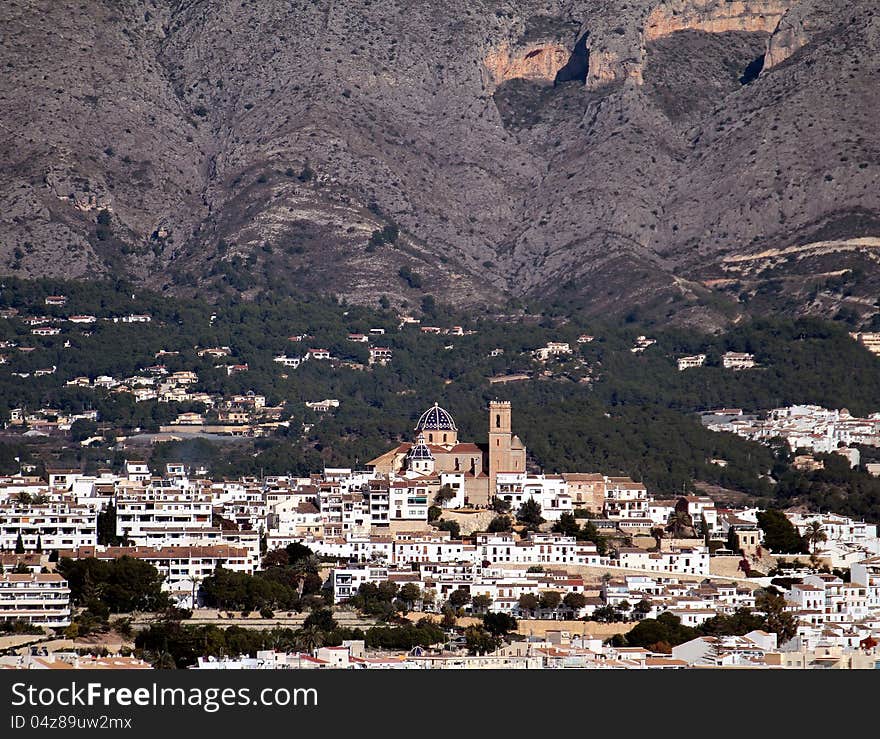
[{"x": 436, "y": 449}]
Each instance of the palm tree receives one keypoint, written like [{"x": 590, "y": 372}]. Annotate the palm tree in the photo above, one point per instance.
[
  {"x": 306, "y": 565},
  {"x": 481, "y": 603},
  {"x": 716, "y": 650},
  {"x": 309, "y": 639},
  {"x": 816, "y": 534},
  {"x": 679, "y": 522},
  {"x": 196, "y": 582},
  {"x": 163, "y": 661}
]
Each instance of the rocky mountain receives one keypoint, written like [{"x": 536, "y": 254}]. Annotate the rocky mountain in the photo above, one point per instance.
[{"x": 685, "y": 158}]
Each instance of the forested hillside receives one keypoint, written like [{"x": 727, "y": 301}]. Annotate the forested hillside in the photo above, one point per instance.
[{"x": 603, "y": 407}]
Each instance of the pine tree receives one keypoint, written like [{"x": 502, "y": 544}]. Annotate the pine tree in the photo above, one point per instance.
[
  {"x": 19, "y": 545},
  {"x": 530, "y": 514}
]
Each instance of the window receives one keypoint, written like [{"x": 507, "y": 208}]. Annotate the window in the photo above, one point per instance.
[
  {"x": 497, "y": 420},
  {"x": 444, "y": 438}
]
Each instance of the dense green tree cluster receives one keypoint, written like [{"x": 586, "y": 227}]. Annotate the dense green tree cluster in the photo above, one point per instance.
[
  {"x": 529, "y": 514},
  {"x": 837, "y": 487},
  {"x": 659, "y": 634},
  {"x": 801, "y": 361},
  {"x": 499, "y": 624},
  {"x": 384, "y": 600},
  {"x": 174, "y": 644},
  {"x": 453, "y": 527},
  {"x": 15, "y": 627},
  {"x": 120, "y": 586},
  {"x": 780, "y": 535},
  {"x": 667, "y": 631},
  {"x": 612, "y": 614},
  {"x": 238, "y": 591},
  {"x": 282, "y": 585},
  {"x": 480, "y": 640},
  {"x": 424, "y": 633},
  {"x": 500, "y": 525}
]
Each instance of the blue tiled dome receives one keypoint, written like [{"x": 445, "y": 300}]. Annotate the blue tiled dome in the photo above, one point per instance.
[
  {"x": 419, "y": 450},
  {"x": 436, "y": 419}
]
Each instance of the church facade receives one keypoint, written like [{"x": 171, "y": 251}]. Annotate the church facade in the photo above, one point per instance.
[{"x": 437, "y": 449}]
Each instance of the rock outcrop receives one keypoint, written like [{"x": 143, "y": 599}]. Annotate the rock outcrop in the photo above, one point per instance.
[
  {"x": 619, "y": 54},
  {"x": 809, "y": 18},
  {"x": 537, "y": 62},
  {"x": 711, "y": 16}
]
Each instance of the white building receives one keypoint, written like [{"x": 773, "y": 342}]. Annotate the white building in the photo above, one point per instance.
[
  {"x": 867, "y": 574},
  {"x": 684, "y": 561},
  {"x": 139, "y": 511},
  {"x": 749, "y": 650},
  {"x": 549, "y": 491},
  {"x": 696, "y": 360},
  {"x": 550, "y": 549},
  {"x": 38, "y": 599},
  {"x": 625, "y": 499},
  {"x": 869, "y": 340},
  {"x": 552, "y": 349},
  {"x": 320, "y": 354},
  {"x": 137, "y": 471},
  {"x": 295, "y": 517},
  {"x": 322, "y": 406},
  {"x": 161, "y": 537},
  {"x": 380, "y": 355},
  {"x": 59, "y": 524},
  {"x": 345, "y": 581},
  {"x": 292, "y": 362},
  {"x": 737, "y": 360},
  {"x": 408, "y": 500},
  {"x": 406, "y": 548},
  {"x": 642, "y": 343}
]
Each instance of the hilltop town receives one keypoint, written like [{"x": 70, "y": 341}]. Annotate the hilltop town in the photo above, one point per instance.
[
  {"x": 357, "y": 488},
  {"x": 443, "y": 545}
]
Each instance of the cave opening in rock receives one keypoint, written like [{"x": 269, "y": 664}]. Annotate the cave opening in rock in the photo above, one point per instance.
[
  {"x": 752, "y": 70},
  {"x": 575, "y": 70}
]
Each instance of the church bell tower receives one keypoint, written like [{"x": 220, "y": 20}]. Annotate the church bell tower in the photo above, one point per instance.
[{"x": 500, "y": 439}]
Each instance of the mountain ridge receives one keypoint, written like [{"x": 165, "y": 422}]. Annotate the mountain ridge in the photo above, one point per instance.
[{"x": 614, "y": 155}]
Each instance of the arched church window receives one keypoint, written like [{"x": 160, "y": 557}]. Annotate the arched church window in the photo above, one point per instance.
[{"x": 497, "y": 420}]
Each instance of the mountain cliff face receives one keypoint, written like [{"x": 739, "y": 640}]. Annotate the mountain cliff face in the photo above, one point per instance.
[{"x": 691, "y": 158}]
